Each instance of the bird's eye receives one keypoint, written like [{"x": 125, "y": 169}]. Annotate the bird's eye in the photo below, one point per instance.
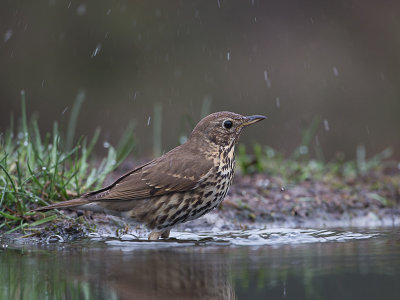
[{"x": 227, "y": 124}]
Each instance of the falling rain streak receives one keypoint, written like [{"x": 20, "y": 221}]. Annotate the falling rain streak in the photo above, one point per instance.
[
  {"x": 326, "y": 125},
  {"x": 278, "y": 102},
  {"x": 266, "y": 78},
  {"x": 7, "y": 35},
  {"x": 96, "y": 50},
  {"x": 335, "y": 71}
]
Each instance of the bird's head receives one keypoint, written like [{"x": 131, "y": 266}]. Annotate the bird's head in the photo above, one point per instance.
[{"x": 223, "y": 128}]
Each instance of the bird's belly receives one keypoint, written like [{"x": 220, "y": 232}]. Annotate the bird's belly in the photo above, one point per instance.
[
  {"x": 172, "y": 209},
  {"x": 182, "y": 207}
]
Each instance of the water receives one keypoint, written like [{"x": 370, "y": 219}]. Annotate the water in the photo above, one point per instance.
[{"x": 254, "y": 264}]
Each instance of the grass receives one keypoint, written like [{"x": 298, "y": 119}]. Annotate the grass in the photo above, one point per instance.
[
  {"x": 265, "y": 159},
  {"x": 37, "y": 170},
  {"x": 300, "y": 165}
]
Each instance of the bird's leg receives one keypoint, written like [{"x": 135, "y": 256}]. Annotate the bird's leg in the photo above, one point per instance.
[
  {"x": 154, "y": 235},
  {"x": 165, "y": 234}
]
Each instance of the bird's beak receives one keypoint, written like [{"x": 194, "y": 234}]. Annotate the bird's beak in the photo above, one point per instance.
[{"x": 252, "y": 119}]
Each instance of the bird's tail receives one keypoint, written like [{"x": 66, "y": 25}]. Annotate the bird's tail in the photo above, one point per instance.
[{"x": 65, "y": 204}]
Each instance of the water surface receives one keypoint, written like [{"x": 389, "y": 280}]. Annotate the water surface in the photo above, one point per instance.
[{"x": 253, "y": 264}]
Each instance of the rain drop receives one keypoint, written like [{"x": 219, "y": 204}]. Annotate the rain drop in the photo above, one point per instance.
[
  {"x": 326, "y": 125},
  {"x": 284, "y": 290},
  {"x": 148, "y": 121},
  {"x": 182, "y": 139},
  {"x": 267, "y": 80},
  {"x": 81, "y": 10},
  {"x": 96, "y": 50},
  {"x": 335, "y": 71},
  {"x": 278, "y": 102},
  {"x": 8, "y": 35},
  {"x": 228, "y": 56},
  {"x": 303, "y": 149},
  {"x": 65, "y": 109},
  {"x": 106, "y": 145},
  {"x": 108, "y": 12}
]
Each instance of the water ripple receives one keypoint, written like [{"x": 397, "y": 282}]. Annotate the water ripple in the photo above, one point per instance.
[{"x": 253, "y": 237}]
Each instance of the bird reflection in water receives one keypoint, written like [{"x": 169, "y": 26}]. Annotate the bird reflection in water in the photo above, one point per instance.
[{"x": 165, "y": 274}]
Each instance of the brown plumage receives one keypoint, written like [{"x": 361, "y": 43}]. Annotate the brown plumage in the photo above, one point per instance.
[{"x": 182, "y": 185}]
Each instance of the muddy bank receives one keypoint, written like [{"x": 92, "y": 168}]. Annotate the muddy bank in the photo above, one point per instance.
[{"x": 258, "y": 201}]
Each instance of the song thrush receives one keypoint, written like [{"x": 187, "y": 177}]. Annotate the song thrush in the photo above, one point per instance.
[{"x": 182, "y": 185}]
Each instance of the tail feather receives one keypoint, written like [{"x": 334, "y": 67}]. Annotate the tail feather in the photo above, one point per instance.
[{"x": 65, "y": 204}]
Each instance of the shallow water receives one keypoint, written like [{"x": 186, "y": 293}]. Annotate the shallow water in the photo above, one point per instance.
[{"x": 254, "y": 264}]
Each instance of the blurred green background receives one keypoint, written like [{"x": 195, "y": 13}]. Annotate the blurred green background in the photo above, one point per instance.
[{"x": 290, "y": 60}]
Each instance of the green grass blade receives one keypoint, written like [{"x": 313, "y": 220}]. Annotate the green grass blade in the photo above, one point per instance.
[
  {"x": 74, "y": 118},
  {"x": 8, "y": 216},
  {"x": 42, "y": 221}
]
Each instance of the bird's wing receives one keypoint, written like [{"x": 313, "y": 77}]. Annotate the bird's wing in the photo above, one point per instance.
[{"x": 169, "y": 173}]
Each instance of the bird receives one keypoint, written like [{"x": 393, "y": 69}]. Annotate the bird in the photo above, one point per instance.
[{"x": 182, "y": 185}]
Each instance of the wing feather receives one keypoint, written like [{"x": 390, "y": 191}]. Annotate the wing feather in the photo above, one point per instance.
[{"x": 169, "y": 173}]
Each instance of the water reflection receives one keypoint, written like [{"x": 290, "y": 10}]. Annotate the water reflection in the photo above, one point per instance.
[
  {"x": 105, "y": 274},
  {"x": 356, "y": 268},
  {"x": 162, "y": 275}
]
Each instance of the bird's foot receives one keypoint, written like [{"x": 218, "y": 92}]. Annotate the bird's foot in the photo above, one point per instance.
[{"x": 155, "y": 235}]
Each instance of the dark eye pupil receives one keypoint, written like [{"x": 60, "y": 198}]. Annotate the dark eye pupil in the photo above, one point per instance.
[{"x": 228, "y": 124}]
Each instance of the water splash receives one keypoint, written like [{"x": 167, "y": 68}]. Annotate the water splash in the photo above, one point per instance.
[{"x": 253, "y": 237}]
